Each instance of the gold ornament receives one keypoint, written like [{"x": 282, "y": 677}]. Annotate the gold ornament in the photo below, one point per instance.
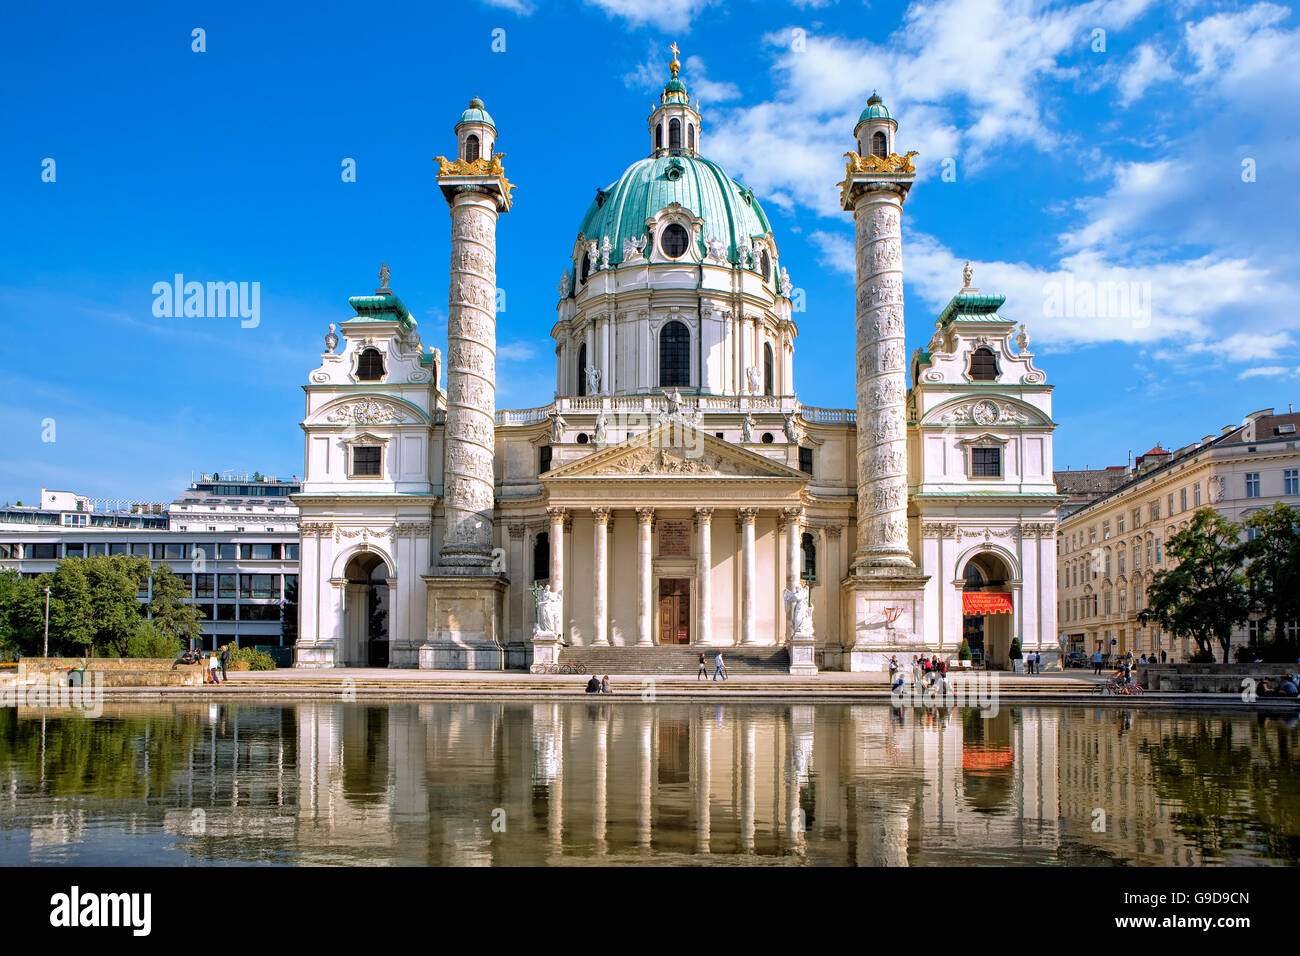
[{"x": 483, "y": 166}]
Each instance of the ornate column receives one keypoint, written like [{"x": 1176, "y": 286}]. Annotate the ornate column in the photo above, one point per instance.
[
  {"x": 747, "y": 573},
  {"x": 465, "y": 595},
  {"x": 556, "y": 538},
  {"x": 704, "y": 573},
  {"x": 885, "y": 579},
  {"x": 644, "y": 601},
  {"x": 793, "y": 545},
  {"x": 600, "y": 583}
]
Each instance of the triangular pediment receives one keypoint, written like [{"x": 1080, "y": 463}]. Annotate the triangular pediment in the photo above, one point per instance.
[{"x": 675, "y": 450}]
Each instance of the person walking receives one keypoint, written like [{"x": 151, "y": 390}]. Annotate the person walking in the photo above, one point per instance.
[
  {"x": 719, "y": 667},
  {"x": 225, "y": 656},
  {"x": 916, "y": 674},
  {"x": 893, "y": 668},
  {"x": 214, "y": 663},
  {"x": 703, "y": 670}
]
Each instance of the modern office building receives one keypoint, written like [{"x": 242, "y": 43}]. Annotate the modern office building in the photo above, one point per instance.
[{"x": 232, "y": 539}]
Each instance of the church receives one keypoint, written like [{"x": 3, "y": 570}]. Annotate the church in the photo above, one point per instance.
[{"x": 676, "y": 493}]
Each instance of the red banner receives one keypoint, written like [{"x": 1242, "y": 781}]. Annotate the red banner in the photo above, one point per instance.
[{"x": 977, "y": 603}]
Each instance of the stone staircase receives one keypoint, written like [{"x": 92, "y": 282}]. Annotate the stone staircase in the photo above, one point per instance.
[{"x": 684, "y": 660}]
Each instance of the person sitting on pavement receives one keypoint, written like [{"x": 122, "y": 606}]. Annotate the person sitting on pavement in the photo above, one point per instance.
[
  {"x": 604, "y": 685},
  {"x": 593, "y": 685}
]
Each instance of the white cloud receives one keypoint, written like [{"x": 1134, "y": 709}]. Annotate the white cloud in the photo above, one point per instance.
[
  {"x": 836, "y": 250},
  {"x": 1246, "y": 346},
  {"x": 664, "y": 14},
  {"x": 522, "y": 7},
  {"x": 517, "y": 351},
  {"x": 1269, "y": 371},
  {"x": 1149, "y": 66},
  {"x": 698, "y": 83}
]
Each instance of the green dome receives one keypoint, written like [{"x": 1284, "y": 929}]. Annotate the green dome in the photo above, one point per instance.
[
  {"x": 476, "y": 114},
  {"x": 728, "y": 209},
  {"x": 875, "y": 109}
]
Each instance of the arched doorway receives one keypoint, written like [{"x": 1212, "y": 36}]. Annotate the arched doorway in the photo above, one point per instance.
[
  {"x": 365, "y": 611},
  {"x": 987, "y": 610}
]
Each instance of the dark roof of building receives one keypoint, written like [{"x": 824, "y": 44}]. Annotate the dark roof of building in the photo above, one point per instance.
[{"x": 1090, "y": 482}]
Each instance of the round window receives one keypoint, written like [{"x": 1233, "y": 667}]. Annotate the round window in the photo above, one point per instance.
[
  {"x": 767, "y": 438},
  {"x": 674, "y": 240},
  {"x": 583, "y": 439}
]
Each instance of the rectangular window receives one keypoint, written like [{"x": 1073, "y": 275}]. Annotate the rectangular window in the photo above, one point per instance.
[
  {"x": 1252, "y": 484},
  {"x": 1251, "y": 533},
  {"x": 226, "y": 612},
  {"x": 1155, "y": 511},
  {"x": 1149, "y": 543},
  {"x": 1182, "y": 499},
  {"x": 1105, "y": 530},
  {"x": 986, "y": 462},
  {"x": 1119, "y": 525},
  {"x": 1291, "y": 481},
  {"x": 544, "y": 459},
  {"x": 1157, "y": 550},
  {"x": 1121, "y": 557},
  {"x": 290, "y": 580},
  {"x": 1092, "y": 535},
  {"x": 1137, "y": 518},
  {"x": 116, "y": 548},
  {"x": 291, "y": 552},
  {"x": 173, "y": 552},
  {"x": 204, "y": 585},
  {"x": 259, "y": 552},
  {"x": 42, "y": 552},
  {"x": 187, "y": 580},
  {"x": 805, "y": 460},
  {"x": 365, "y": 461},
  {"x": 225, "y": 585},
  {"x": 1169, "y": 502},
  {"x": 259, "y": 586},
  {"x": 259, "y": 612},
  {"x": 205, "y": 611},
  {"x": 226, "y": 552},
  {"x": 1196, "y": 495},
  {"x": 140, "y": 550},
  {"x": 71, "y": 551},
  {"x": 96, "y": 549}
]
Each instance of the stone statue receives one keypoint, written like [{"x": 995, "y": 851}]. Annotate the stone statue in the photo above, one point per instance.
[
  {"x": 785, "y": 282},
  {"x": 798, "y": 613},
  {"x": 936, "y": 340},
  {"x": 674, "y": 403},
  {"x": 1022, "y": 340},
  {"x": 600, "y": 429},
  {"x": 717, "y": 249},
  {"x": 604, "y": 252},
  {"x": 564, "y": 286},
  {"x": 742, "y": 248},
  {"x": 751, "y": 377},
  {"x": 383, "y": 277},
  {"x": 331, "y": 340},
  {"x": 437, "y": 363},
  {"x": 548, "y": 611},
  {"x": 632, "y": 248},
  {"x": 557, "y": 427},
  {"x": 593, "y": 256},
  {"x": 966, "y": 275},
  {"x": 593, "y": 379},
  {"x": 791, "y": 429},
  {"x": 748, "y": 428}
]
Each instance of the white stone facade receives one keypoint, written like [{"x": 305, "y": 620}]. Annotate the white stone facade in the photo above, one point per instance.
[{"x": 675, "y": 491}]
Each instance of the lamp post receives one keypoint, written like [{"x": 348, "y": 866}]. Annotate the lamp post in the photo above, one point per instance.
[{"x": 47, "y": 621}]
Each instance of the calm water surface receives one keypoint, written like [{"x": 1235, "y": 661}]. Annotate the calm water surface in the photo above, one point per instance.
[{"x": 631, "y": 782}]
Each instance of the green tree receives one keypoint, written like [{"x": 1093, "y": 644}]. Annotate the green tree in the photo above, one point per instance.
[
  {"x": 1204, "y": 596},
  {"x": 149, "y": 641},
  {"x": 1273, "y": 568},
  {"x": 168, "y": 610},
  {"x": 22, "y": 616},
  {"x": 289, "y": 614}
]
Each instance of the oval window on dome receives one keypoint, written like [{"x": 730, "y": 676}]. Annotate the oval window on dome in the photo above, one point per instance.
[{"x": 674, "y": 240}]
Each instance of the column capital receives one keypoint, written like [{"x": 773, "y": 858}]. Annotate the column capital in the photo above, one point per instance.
[
  {"x": 832, "y": 532},
  {"x": 557, "y": 514},
  {"x": 338, "y": 582},
  {"x": 645, "y": 515},
  {"x": 601, "y": 515},
  {"x": 746, "y": 516},
  {"x": 517, "y": 529},
  {"x": 703, "y": 515}
]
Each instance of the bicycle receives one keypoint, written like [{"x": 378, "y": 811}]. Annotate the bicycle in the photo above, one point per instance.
[
  {"x": 1117, "y": 689},
  {"x": 570, "y": 667}
]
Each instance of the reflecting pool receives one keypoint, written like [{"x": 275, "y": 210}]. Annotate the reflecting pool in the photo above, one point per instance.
[{"x": 622, "y": 781}]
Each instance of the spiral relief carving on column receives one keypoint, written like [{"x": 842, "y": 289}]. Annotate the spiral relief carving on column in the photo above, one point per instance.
[
  {"x": 882, "y": 382},
  {"x": 471, "y": 384}
]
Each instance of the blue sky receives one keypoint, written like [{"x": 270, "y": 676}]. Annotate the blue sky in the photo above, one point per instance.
[{"x": 1074, "y": 158}]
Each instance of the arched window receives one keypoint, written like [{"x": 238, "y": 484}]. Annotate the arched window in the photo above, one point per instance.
[
  {"x": 809, "y": 548},
  {"x": 878, "y": 144},
  {"x": 582, "y": 369},
  {"x": 542, "y": 557},
  {"x": 690, "y": 136},
  {"x": 659, "y": 136},
  {"x": 974, "y": 580},
  {"x": 471, "y": 148},
  {"x": 766, "y": 262},
  {"x": 586, "y": 265},
  {"x": 674, "y": 356},
  {"x": 983, "y": 365},
  {"x": 769, "y": 370},
  {"x": 370, "y": 366},
  {"x": 675, "y": 134}
]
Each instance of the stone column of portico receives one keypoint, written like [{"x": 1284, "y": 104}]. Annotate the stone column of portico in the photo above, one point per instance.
[
  {"x": 704, "y": 573},
  {"x": 600, "y": 582},
  {"x": 644, "y": 517},
  {"x": 793, "y": 545},
  {"x": 556, "y": 535},
  {"x": 747, "y": 574}
]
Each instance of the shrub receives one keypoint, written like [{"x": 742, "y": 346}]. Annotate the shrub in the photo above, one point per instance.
[
  {"x": 250, "y": 659},
  {"x": 149, "y": 641},
  {"x": 1203, "y": 657},
  {"x": 963, "y": 652}
]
